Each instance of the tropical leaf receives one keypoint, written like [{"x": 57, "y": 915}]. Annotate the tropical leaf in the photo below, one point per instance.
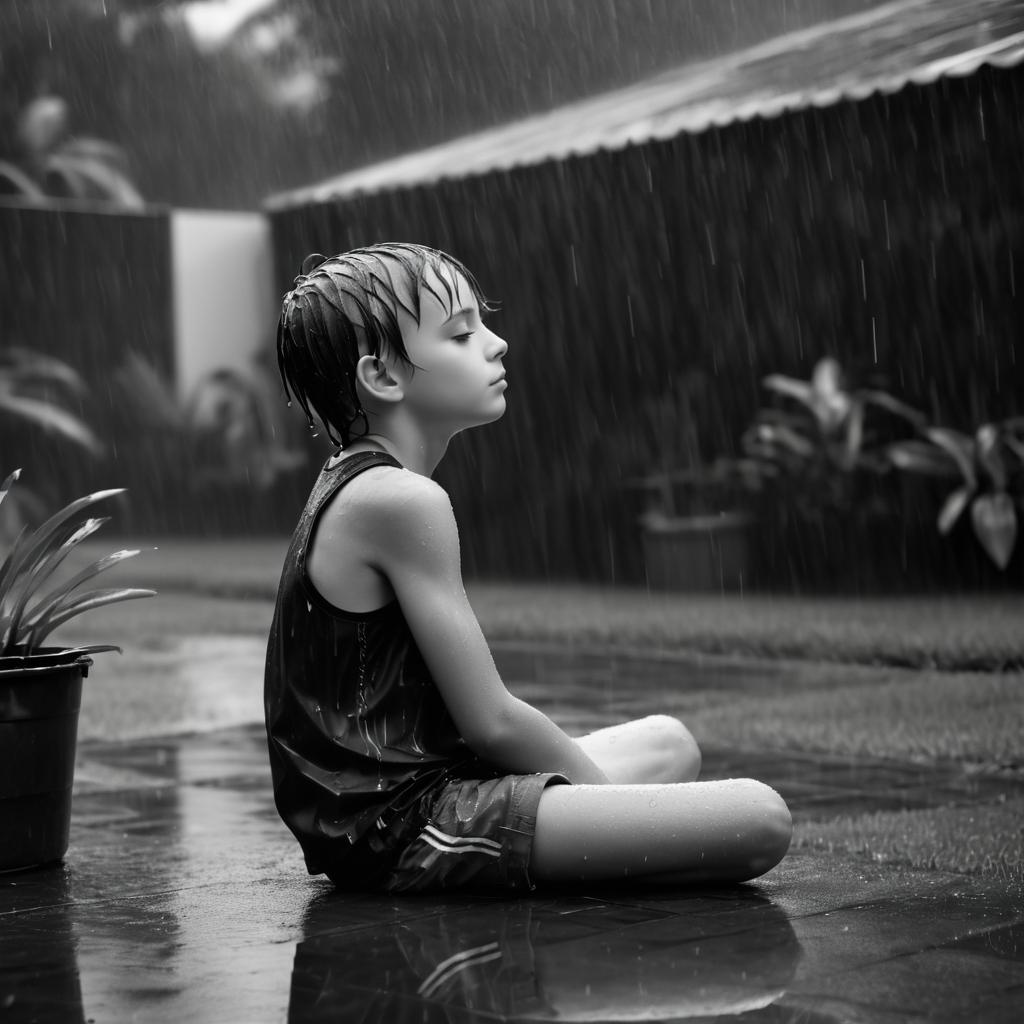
[
  {"x": 52, "y": 418},
  {"x": 1015, "y": 446},
  {"x": 922, "y": 457},
  {"x": 960, "y": 447},
  {"x": 893, "y": 405},
  {"x": 995, "y": 525},
  {"x": 14, "y": 179},
  {"x": 791, "y": 387},
  {"x": 787, "y": 437},
  {"x": 854, "y": 435},
  {"x": 952, "y": 508},
  {"x": 28, "y": 366},
  {"x": 986, "y": 440},
  {"x": 86, "y": 177}
]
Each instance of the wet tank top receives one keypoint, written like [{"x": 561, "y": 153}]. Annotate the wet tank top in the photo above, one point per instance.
[{"x": 356, "y": 728}]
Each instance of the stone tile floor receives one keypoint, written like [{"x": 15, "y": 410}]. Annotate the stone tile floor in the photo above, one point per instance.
[{"x": 182, "y": 898}]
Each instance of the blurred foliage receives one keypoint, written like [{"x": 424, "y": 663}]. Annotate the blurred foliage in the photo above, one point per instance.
[
  {"x": 287, "y": 92},
  {"x": 813, "y": 447},
  {"x": 206, "y": 458},
  {"x": 987, "y": 465},
  {"x": 52, "y": 163},
  {"x": 38, "y": 394}
]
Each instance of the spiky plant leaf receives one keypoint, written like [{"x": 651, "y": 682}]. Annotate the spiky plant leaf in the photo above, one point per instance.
[
  {"x": 49, "y": 534},
  {"x": 11, "y": 480},
  {"x": 5, "y": 569},
  {"x": 33, "y": 577},
  {"x": 84, "y": 603},
  {"x": 54, "y": 599}
]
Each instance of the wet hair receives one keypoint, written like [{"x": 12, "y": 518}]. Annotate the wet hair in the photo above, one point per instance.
[{"x": 347, "y": 306}]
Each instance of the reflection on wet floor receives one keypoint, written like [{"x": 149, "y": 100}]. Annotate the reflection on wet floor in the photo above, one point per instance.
[
  {"x": 575, "y": 959},
  {"x": 183, "y": 898}
]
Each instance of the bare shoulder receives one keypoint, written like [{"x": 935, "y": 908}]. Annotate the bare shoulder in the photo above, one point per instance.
[
  {"x": 393, "y": 492},
  {"x": 384, "y": 525},
  {"x": 391, "y": 506}
]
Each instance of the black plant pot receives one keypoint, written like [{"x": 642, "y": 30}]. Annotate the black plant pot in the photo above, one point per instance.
[{"x": 40, "y": 695}]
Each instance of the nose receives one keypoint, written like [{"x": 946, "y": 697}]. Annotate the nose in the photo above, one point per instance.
[{"x": 497, "y": 347}]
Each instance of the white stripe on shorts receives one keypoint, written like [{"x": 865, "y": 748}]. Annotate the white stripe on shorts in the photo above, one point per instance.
[
  {"x": 459, "y": 844},
  {"x": 448, "y": 969}
]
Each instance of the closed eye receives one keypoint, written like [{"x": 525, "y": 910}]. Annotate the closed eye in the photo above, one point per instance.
[{"x": 462, "y": 337}]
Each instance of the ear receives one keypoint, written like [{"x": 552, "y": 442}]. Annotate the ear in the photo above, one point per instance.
[{"x": 375, "y": 377}]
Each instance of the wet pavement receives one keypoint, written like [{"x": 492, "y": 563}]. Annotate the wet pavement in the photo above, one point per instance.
[{"x": 183, "y": 898}]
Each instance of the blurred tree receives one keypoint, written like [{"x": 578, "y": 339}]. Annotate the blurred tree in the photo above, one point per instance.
[{"x": 219, "y": 102}]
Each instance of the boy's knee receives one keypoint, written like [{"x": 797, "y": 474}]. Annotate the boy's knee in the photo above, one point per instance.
[
  {"x": 676, "y": 748},
  {"x": 773, "y": 824}
]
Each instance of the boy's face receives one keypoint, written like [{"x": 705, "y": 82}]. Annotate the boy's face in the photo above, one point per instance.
[{"x": 458, "y": 380}]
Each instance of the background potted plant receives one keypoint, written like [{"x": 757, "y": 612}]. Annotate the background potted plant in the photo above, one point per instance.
[
  {"x": 227, "y": 450},
  {"x": 694, "y": 521},
  {"x": 988, "y": 470},
  {"x": 37, "y": 395},
  {"x": 818, "y": 459},
  {"x": 41, "y": 685}
]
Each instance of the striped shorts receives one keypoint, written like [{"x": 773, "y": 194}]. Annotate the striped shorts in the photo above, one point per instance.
[{"x": 478, "y": 834}]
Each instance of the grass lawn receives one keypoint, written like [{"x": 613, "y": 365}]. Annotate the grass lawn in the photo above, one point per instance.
[{"x": 949, "y": 632}]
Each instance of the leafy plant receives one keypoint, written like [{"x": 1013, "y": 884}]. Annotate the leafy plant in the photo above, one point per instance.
[
  {"x": 229, "y": 429},
  {"x": 34, "y": 388},
  {"x": 989, "y": 465},
  {"x": 826, "y": 438},
  {"x": 54, "y": 163},
  {"x": 28, "y": 614}
]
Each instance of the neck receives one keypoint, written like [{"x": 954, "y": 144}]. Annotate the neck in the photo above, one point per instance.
[{"x": 415, "y": 451}]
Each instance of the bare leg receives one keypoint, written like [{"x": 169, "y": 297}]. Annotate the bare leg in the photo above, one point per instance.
[
  {"x": 727, "y": 831},
  {"x": 653, "y": 749}
]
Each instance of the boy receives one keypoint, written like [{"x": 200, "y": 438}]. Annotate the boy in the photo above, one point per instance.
[{"x": 400, "y": 760}]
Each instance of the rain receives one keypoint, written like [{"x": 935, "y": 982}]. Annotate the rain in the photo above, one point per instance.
[{"x": 760, "y": 470}]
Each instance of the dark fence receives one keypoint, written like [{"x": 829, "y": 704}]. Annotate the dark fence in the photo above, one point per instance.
[
  {"x": 93, "y": 289},
  {"x": 86, "y": 287},
  {"x": 886, "y": 232}
]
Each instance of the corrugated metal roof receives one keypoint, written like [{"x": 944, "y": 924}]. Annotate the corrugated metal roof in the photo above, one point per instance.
[{"x": 881, "y": 50}]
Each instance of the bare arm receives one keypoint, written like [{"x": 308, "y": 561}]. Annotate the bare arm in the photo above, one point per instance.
[{"x": 417, "y": 548}]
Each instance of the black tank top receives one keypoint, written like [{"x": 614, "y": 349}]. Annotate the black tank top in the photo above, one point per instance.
[{"x": 356, "y": 727}]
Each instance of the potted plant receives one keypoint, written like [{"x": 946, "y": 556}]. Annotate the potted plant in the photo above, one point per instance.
[
  {"x": 37, "y": 394},
  {"x": 988, "y": 470},
  {"x": 230, "y": 436},
  {"x": 41, "y": 685},
  {"x": 819, "y": 460},
  {"x": 694, "y": 522}
]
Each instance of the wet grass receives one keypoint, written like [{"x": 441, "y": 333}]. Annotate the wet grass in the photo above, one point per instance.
[
  {"x": 956, "y": 632},
  {"x": 985, "y": 840},
  {"x": 975, "y": 719}
]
